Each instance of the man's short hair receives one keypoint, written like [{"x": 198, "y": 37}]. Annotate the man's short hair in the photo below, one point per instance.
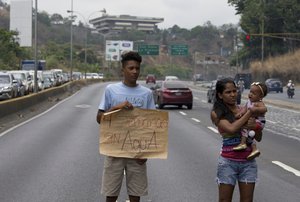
[{"x": 131, "y": 55}]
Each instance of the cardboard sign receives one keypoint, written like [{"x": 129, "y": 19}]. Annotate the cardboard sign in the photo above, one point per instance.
[{"x": 137, "y": 133}]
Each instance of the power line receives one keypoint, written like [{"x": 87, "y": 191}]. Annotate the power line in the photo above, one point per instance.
[{"x": 279, "y": 36}]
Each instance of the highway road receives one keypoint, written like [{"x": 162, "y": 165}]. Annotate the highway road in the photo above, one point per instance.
[{"x": 54, "y": 156}]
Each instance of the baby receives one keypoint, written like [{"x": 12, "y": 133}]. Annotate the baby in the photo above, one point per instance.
[{"x": 257, "y": 92}]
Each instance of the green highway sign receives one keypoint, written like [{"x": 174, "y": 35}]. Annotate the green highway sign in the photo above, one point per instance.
[
  {"x": 145, "y": 49},
  {"x": 179, "y": 49}
]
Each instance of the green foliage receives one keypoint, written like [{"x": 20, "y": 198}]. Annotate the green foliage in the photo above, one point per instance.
[
  {"x": 160, "y": 71},
  {"x": 44, "y": 18},
  {"x": 52, "y": 62},
  {"x": 10, "y": 51},
  {"x": 277, "y": 19},
  {"x": 156, "y": 70},
  {"x": 54, "y": 45}
]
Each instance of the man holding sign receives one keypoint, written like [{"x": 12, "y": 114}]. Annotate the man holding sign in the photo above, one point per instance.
[{"x": 125, "y": 95}]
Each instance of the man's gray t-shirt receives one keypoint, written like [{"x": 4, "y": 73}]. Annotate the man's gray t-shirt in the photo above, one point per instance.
[{"x": 117, "y": 93}]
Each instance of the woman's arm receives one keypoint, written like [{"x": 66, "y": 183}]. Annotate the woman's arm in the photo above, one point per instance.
[{"x": 228, "y": 127}]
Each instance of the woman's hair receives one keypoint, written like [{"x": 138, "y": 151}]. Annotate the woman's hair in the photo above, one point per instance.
[
  {"x": 220, "y": 108},
  {"x": 131, "y": 55}
]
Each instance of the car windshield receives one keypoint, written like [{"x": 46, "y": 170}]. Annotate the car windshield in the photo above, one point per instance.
[
  {"x": 171, "y": 78},
  {"x": 4, "y": 79},
  {"x": 19, "y": 76},
  {"x": 174, "y": 85}
]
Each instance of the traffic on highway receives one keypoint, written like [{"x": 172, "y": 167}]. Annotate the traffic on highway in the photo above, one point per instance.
[{"x": 50, "y": 159}]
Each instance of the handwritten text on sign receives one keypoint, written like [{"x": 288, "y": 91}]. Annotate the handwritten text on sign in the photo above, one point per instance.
[{"x": 137, "y": 133}]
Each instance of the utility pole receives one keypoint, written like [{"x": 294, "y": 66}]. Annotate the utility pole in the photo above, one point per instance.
[
  {"x": 262, "y": 30},
  {"x": 236, "y": 47},
  {"x": 71, "y": 43},
  {"x": 35, "y": 48}
]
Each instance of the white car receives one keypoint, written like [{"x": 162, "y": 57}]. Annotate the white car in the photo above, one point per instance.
[
  {"x": 171, "y": 78},
  {"x": 101, "y": 76}
]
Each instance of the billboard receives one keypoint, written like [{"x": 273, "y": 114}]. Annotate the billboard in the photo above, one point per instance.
[
  {"x": 114, "y": 49},
  {"x": 21, "y": 20}
]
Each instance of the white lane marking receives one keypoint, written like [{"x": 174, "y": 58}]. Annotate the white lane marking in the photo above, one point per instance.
[
  {"x": 283, "y": 134},
  {"x": 271, "y": 122},
  {"x": 37, "y": 116},
  {"x": 287, "y": 168},
  {"x": 204, "y": 101},
  {"x": 213, "y": 129},
  {"x": 83, "y": 106},
  {"x": 196, "y": 98},
  {"x": 196, "y": 120},
  {"x": 283, "y": 109},
  {"x": 184, "y": 114}
]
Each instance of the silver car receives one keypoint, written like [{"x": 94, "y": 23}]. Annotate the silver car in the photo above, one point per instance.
[
  {"x": 8, "y": 86},
  {"x": 25, "y": 77}
]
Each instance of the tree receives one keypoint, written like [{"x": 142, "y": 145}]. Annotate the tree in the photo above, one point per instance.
[
  {"x": 277, "y": 19},
  {"x": 10, "y": 51},
  {"x": 56, "y": 18}
]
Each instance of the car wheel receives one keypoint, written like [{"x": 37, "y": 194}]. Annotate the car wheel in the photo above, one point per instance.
[
  {"x": 160, "y": 105},
  {"x": 190, "y": 106}
]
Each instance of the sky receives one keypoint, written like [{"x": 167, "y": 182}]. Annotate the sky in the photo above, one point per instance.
[{"x": 184, "y": 13}]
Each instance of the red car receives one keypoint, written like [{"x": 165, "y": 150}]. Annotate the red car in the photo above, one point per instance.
[
  {"x": 150, "y": 79},
  {"x": 173, "y": 93}
]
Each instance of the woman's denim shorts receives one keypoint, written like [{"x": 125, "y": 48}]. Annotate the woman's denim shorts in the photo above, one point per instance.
[{"x": 229, "y": 171}]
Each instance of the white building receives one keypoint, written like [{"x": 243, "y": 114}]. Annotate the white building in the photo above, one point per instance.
[{"x": 115, "y": 24}]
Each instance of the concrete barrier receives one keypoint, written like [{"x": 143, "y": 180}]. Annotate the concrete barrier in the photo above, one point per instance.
[{"x": 11, "y": 106}]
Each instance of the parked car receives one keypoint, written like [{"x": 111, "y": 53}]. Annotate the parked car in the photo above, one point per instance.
[
  {"x": 88, "y": 76},
  {"x": 211, "y": 92},
  {"x": 21, "y": 88},
  {"x": 8, "y": 86},
  {"x": 101, "y": 76},
  {"x": 150, "y": 78},
  {"x": 95, "y": 75},
  {"x": 26, "y": 79},
  {"x": 47, "y": 82},
  {"x": 77, "y": 75},
  {"x": 40, "y": 79},
  {"x": 274, "y": 84},
  {"x": 53, "y": 77},
  {"x": 173, "y": 93}
]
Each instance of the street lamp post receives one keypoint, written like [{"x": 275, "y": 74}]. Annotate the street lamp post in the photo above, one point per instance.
[
  {"x": 71, "y": 43},
  {"x": 86, "y": 33},
  {"x": 35, "y": 48}
]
